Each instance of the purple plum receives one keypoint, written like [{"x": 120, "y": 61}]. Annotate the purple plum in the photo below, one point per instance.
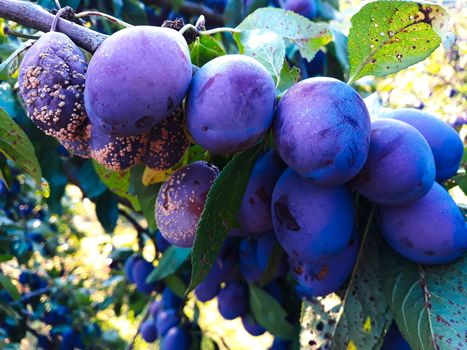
[
  {"x": 252, "y": 326},
  {"x": 233, "y": 300},
  {"x": 304, "y": 217},
  {"x": 431, "y": 230},
  {"x": 322, "y": 130},
  {"x": 177, "y": 338},
  {"x": 148, "y": 331},
  {"x": 181, "y": 200},
  {"x": 230, "y": 104},
  {"x": 51, "y": 83},
  {"x": 255, "y": 210},
  {"x": 248, "y": 262},
  {"x": 400, "y": 167},
  {"x": 306, "y": 8},
  {"x": 136, "y": 78},
  {"x": 165, "y": 320},
  {"x": 445, "y": 143},
  {"x": 141, "y": 270}
]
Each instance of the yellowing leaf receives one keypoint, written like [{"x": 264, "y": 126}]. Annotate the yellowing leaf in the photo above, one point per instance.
[{"x": 151, "y": 176}]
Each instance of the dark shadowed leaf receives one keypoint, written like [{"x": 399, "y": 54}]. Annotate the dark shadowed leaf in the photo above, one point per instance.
[
  {"x": 388, "y": 36},
  {"x": 89, "y": 181},
  {"x": 307, "y": 35},
  {"x": 222, "y": 204},
  {"x": 107, "y": 210},
  {"x": 428, "y": 302},
  {"x": 176, "y": 285},
  {"x": 269, "y": 313},
  {"x": 9, "y": 287},
  {"x": 172, "y": 259}
]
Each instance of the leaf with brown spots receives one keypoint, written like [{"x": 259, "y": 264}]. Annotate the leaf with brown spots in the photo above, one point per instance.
[
  {"x": 15, "y": 145},
  {"x": 428, "y": 302},
  {"x": 220, "y": 211},
  {"x": 388, "y": 36}
]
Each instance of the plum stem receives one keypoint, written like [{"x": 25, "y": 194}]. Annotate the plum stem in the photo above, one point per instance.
[
  {"x": 60, "y": 12},
  {"x": 220, "y": 30},
  {"x": 57, "y": 3},
  {"x": 104, "y": 15},
  {"x": 187, "y": 27}
]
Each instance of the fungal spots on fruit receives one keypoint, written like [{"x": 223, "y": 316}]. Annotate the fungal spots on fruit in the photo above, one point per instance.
[
  {"x": 322, "y": 273},
  {"x": 283, "y": 214},
  {"x": 405, "y": 241}
]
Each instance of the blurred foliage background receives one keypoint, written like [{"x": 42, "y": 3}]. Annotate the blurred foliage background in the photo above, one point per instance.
[{"x": 76, "y": 246}]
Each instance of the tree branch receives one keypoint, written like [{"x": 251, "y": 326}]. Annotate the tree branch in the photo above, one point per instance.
[{"x": 34, "y": 16}]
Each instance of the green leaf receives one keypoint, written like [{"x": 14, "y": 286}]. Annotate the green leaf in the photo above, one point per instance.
[
  {"x": 89, "y": 181},
  {"x": 117, "y": 182},
  {"x": 6, "y": 63},
  {"x": 307, "y": 35},
  {"x": 15, "y": 145},
  {"x": 388, "y": 36},
  {"x": 233, "y": 13},
  {"x": 207, "y": 343},
  {"x": 338, "y": 48},
  {"x": 204, "y": 49},
  {"x": 6, "y": 257},
  {"x": 107, "y": 210},
  {"x": 172, "y": 259},
  {"x": 222, "y": 204},
  {"x": 265, "y": 46},
  {"x": 133, "y": 12},
  {"x": 176, "y": 285},
  {"x": 461, "y": 181},
  {"x": 9, "y": 287},
  {"x": 146, "y": 195},
  {"x": 269, "y": 313},
  {"x": 428, "y": 302},
  {"x": 289, "y": 76},
  {"x": 7, "y": 100}
]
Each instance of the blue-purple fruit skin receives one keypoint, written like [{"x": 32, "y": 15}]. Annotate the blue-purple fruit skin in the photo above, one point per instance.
[
  {"x": 431, "y": 230},
  {"x": 255, "y": 209},
  {"x": 248, "y": 262},
  {"x": 304, "y": 217},
  {"x": 128, "y": 267},
  {"x": 232, "y": 300},
  {"x": 176, "y": 338},
  {"x": 306, "y": 8},
  {"x": 265, "y": 246},
  {"x": 165, "y": 320},
  {"x": 230, "y": 104},
  {"x": 445, "y": 143},
  {"x": 322, "y": 130},
  {"x": 252, "y": 326},
  {"x": 393, "y": 340},
  {"x": 136, "y": 78},
  {"x": 167, "y": 142},
  {"x": 149, "y": 331},
  {"x": 141, "y": 270},
  {"x": 400, "y": 167},
  {"x": 327, "y": 274},
  {"x": 155, "y": 307},
  {"x": 181, "y": 200},
  {"x": 206, "y": 290},
  {"x": 170, "y": 300},
  {"x": 161, "y": 242},
  {"x": 51, "y": 82},
  {"x": 117, "y": 153},
  {"x": 80, "y": 145}
]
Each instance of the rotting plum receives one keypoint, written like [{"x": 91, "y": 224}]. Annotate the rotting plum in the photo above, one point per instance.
[
  {"x": 177, "y": 338},
  {"x": 136, "y": 78},
  {"x": 400, "y": 167},
  {"x": 431, "y": 230},
  {"x": 167, "y": 142},
  {"x": 306, "y": 8},
  {"x": 80, "y": 145},
  {"x": 117, "y": 153},
  {"x": 252, "y": 326},
  {"x": 322, "y": 130},
  {"x": 141, "y": 270},
  {"x": 445, "y": 143},
  {"x": 148, "y": 331},
  {"x": 165, "y": 320},
  {"x": 181, "y": 200},
  {"x": 304, "y": 217},
  {"x": 327, "y": 274},
  {"x": 255, "y": 209},
  {"x": 233, "y": 300},
  {"x": 230, "y": 104},
  {"x": 51, "y": 83}
]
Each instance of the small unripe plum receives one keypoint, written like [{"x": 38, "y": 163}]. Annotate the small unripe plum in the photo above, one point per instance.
[
  {"x": 165, "y": 320},
  {"x": 248, "y": 262},
  {"x": 136, "y": 78},
  {"x": 255, "y": 209},
  {"x": 445, "y": 143},
  {"x": 325, "y": 275},
  {"x": 141, "y": 270},
  {"x": 304, "y": 217},
  {"x": 80, "y": 145},
  {"x": 181, "y": 200},
  {"x": 51, "y": 82},
  {"x": 233, "y": 300},
  {"x": 167, "y": 142},
  {"x": 149, "y": 331},
  {"x": 128, "y": 267},
  {"x": 306, "y": 8},
  {"x": 230, "y": 104},
  {"x": 252, "y": 326},
  {"x": 116, "y": 153},
  {"x": 322, "y": 130},
  {"x": 431, "y": 230},
  {"x": 400, "y": 167},
  {"x": 206, "y": 290},
  {"x": 177, "y": 338}
]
